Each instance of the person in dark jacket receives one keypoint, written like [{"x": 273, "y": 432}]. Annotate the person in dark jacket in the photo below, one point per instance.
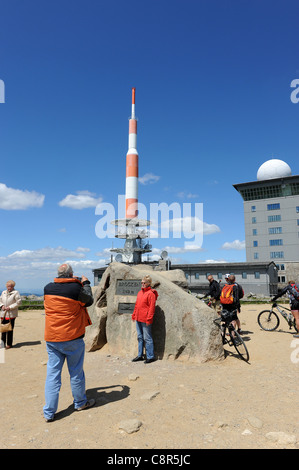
[
  {"x": 65, "y": 302},
  {"x": 232, "y": 280},
  {"x": 214, "y": 292},
  {"x": 289, "y": 290}
]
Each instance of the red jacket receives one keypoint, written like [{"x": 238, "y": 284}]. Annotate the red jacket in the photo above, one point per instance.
[{"x": 145, "y": 305}]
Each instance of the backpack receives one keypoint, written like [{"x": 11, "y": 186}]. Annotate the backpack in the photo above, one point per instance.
[
  {"x": 226, "y": 296},
  {"x": 295, "y": 291}
]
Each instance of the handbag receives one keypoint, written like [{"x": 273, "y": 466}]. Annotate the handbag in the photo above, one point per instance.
[{"x": 4, "y": 328}]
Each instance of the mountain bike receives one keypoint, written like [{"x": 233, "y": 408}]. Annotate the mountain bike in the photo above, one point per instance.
[
  {"x": 268, "y": 320},
  {"x": 224, "y": 322}
]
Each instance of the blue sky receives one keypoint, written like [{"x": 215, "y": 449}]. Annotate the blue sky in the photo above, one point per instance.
[{"x": 213, "y": 103}]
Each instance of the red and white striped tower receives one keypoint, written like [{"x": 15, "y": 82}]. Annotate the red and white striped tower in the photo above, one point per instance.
[
  {"x": 132, "y": 166},
  {"x": 130, "y": 228}
]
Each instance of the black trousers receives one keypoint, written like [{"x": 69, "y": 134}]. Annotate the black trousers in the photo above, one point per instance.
[{"x": 8, "y": 336}]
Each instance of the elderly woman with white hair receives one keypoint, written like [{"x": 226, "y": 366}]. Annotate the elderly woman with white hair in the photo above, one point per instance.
[{"x": 9, "y": 302}]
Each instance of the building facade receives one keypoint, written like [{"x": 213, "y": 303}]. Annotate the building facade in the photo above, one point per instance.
[
  {"x": 271, "y": 213},
  {"x": 255, "y": 278}
]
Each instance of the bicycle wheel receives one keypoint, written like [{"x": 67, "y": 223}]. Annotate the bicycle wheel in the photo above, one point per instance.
[
  {"x": 268, "y": 320},
  {"x": 239, "y": 345}
]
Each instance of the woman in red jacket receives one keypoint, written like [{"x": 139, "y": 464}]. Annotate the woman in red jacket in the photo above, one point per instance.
[{"x": 143, "y": 314}]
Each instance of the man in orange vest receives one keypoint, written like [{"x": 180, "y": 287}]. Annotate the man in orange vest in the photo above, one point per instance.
[
  {"x": 65, "y": 302},
  {"x": 229, "y": 297}
]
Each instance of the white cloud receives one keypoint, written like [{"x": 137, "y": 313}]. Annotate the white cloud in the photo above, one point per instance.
[
  {"x": 17, "y": 199},
  {"x": 148, "y": 178},
  {"x": 32, "y": 269},
  {"x": 235, "y": 245},
  {"x": 210, "y": 261},
  {"x": 48, "y": 253},
  {"x": 82, "y": 249},
  {"x": 190, "y": 225},
  {"x": 183, "y": 249},
  {"x": 82, "y": 200},
  {"x": 187, "y": 195}
]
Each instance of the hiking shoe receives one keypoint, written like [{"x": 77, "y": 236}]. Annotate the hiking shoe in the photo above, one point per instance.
[
  {"x": 240, "y": 331},
  {"x": 88, "y": 404},
  {"x": 49, "y": 420},
  {"x": 147, "y": 361},
  {"x": 296, "y": 335}
]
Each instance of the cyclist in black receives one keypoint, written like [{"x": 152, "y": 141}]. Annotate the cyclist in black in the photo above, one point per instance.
[
  {"x": 232, "y": 280},
  {"x": 291, "y": 290},
  {"x": 214, "y": 292}
]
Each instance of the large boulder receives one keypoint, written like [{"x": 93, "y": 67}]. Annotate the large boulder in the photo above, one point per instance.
[{"x": 183, "y": 326}]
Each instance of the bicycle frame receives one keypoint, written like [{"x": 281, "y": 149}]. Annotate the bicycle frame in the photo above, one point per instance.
[{"x": 288, "y": 317}]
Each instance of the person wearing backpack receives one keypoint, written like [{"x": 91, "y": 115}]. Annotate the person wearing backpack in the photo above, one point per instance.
[
  {"x": 292, "y": 291},
  {"x": 229, "y": 298},
  {"x": 214, "y": 292}
]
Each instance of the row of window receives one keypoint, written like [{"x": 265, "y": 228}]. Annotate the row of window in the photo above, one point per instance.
[
  {"x": 271, "y": 218},
  {"x": 220, "y": 275},
  {"x": 280, "y": 267},
  {"x": 273, "y": 207},
  {"x": 273, "y": 255},
  {"x": 273, "y": 191},
  {"x": 276, "y": 242},
  {"x": 271, "y": 230}
]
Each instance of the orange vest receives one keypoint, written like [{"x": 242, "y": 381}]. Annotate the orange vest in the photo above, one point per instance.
[{"x": 66, "y": 318}]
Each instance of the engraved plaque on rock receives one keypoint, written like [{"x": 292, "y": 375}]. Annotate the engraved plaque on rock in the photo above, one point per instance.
[
  {"x": 128, "y": 287},
  {"x": 124, "y": 307}
]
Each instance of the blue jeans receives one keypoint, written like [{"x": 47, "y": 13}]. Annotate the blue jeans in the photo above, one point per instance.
[
  {"x": 73, "y": 352},
  {"x": 144, "y": 336}
]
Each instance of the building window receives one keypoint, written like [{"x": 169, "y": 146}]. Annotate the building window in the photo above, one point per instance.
[
  {"x": 254, "y": 231},
  {"x": 273, "y": 207},
  {"x": 253, "y": 220},
  {"x": 281, "y": 267},
  {"x": 255, "y": 255},
  {"x": 283, "y": 279},
  {"x": 257, "y": 275},
  {"x": 297, "y": 221},
  {"x": 244, "y": 275},
  {"x": 273, "y": 230},
  {"x": 219, "y": 275},
  {"x": 255, "y": 243},
  {"x": 196, "y": 275},
  {"x": 277, "y": 242},
  {"x": 274, "y": 218},
  {"x": 297, "y": 209},
  {"x": 276, "y": 254},
  {"x": 253, "y": 208},
  {"x": 187, "y": 275}
]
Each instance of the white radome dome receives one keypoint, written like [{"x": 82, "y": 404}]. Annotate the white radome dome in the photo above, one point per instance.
[{"x": 273, "y": 169}]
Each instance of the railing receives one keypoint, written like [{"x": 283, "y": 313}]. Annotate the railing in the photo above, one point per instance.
[{"x": 28, "y": 304}]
